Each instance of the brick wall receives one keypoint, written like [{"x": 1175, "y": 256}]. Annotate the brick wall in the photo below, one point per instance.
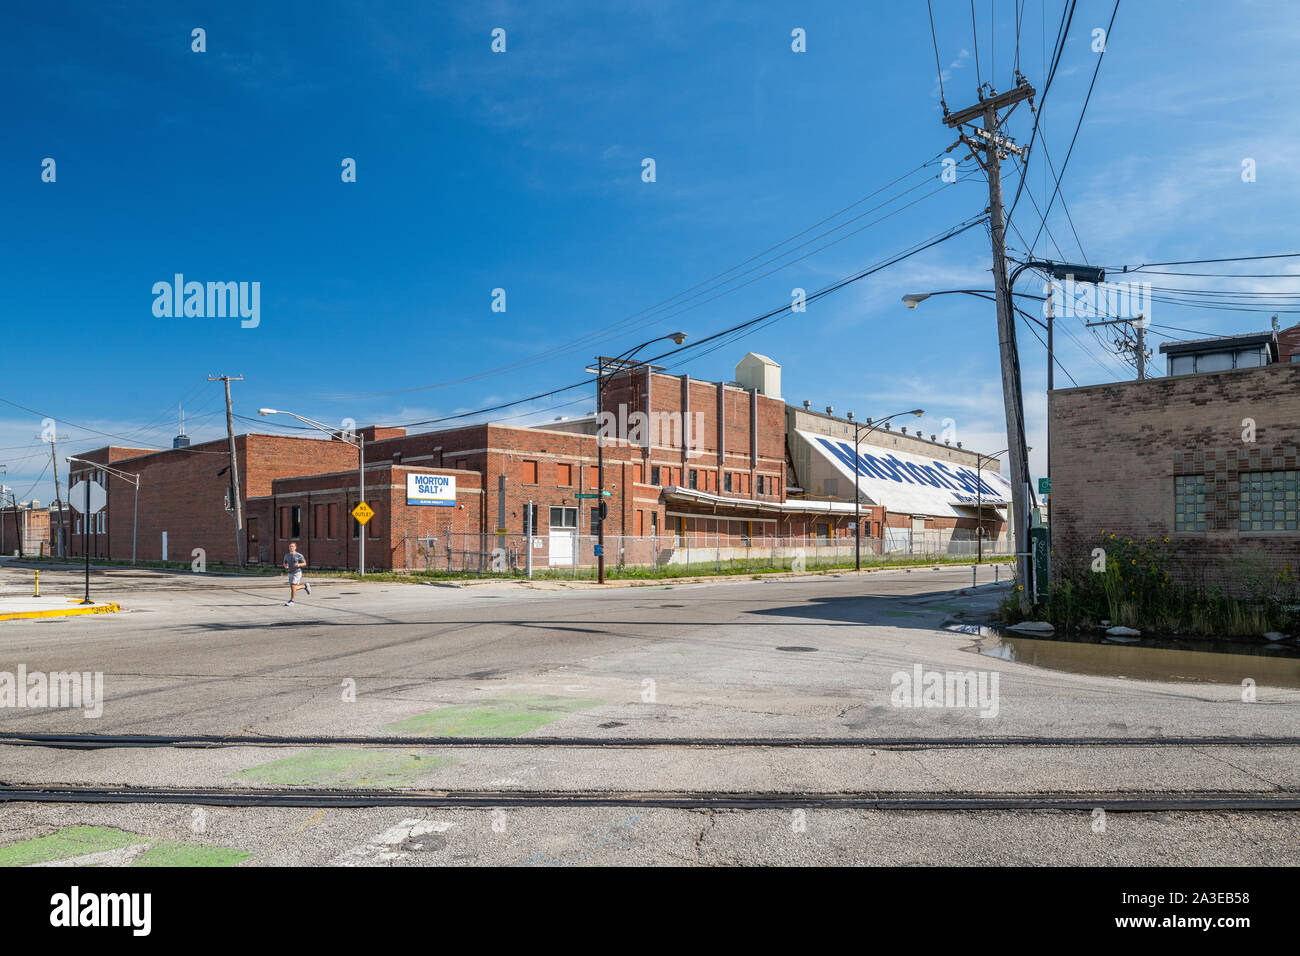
[
  {"x": 1116, "y": 450},
  {"x": 182, "y": 494}
]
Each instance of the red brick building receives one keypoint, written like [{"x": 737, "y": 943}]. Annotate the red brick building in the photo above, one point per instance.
[
  {"x": 689, "y": 464},
  {"x": 184, "y": 493}
]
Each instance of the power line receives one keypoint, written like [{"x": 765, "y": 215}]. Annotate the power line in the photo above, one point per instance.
[
  {"x": 642, "y": 317},
  {"x": 937, "y": 68},
  {"x": 1198, "y": 262},
  {"x": 1077, "y": 126},
  {"x": 785, "y": 308},
  {"x": 1062, "y": 32}
]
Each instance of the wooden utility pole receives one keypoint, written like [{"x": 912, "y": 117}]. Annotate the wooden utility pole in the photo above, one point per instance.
[
  {"x": 235, "y": 503},
  {"x": 996, "y": 147},
  {"x": 58, "y": 495},
  {"x": 1138, "y": 348}
]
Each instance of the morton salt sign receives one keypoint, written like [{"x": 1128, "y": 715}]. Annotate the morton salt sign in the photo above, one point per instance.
[
  {"x": 911, "y": 483},
  {"x": 430, "y": 490}
]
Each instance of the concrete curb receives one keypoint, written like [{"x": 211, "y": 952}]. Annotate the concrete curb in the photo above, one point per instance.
[{"x": 60, "y": 612}]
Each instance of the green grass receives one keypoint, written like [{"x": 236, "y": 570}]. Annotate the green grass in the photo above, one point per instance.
[
  {"x": 727, "y": 568},
  {"x": 1144, "y": 584}
]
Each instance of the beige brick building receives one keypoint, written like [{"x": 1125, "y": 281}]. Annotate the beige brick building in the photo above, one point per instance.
[{"x": 1207, "y": 460}]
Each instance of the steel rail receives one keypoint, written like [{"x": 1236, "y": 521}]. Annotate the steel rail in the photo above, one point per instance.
[
  {"x": 111, "y": 741},
  {"x": 1120, "y": 802}
]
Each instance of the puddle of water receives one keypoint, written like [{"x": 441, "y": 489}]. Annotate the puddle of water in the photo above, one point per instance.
[{"x": 1165, "y": 659}]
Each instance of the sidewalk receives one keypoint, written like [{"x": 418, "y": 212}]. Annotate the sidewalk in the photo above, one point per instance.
[{"x": 19, "y": 608}]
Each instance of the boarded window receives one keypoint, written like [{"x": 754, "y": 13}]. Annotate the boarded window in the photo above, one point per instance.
[
  {"x": 530, "y": 473},
  {"x": 563, "y": 474}
]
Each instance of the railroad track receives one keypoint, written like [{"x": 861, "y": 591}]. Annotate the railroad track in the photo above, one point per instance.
[
  {"x": 1117, "y": 802},
  {"x": 113, "y": 741}
]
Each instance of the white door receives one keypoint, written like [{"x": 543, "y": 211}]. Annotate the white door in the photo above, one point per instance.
[{"x": 564, "y": 537}]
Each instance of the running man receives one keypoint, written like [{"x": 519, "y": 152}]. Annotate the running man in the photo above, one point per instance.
[{"x": 294, "y": 563}]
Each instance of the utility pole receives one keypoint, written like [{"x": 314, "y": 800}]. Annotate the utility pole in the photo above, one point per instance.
[
  {"x": 995, "y": 147},
  {"x": 58, "y": 499},
  {"x": 234, "y": 467},
  {"x": 1138, "y": 348}
]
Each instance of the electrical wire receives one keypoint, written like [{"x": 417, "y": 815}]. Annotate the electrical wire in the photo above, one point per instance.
[{"x": 1077, "y": 126}]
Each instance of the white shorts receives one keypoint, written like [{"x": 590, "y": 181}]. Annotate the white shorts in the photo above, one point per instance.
[{"x": 295, "y": 577}]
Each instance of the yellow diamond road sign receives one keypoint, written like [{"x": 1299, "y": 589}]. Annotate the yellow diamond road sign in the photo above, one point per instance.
[{"x": 363, "y": 513}]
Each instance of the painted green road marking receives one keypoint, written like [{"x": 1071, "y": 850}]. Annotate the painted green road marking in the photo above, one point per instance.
[
  {"x": 346, "y": 768},
  {"x": 510, "y": 716},
  {"x": 83, "y": 841},
  {"x": 171, "y": 853},
  {"x": 69, "y": 842}
]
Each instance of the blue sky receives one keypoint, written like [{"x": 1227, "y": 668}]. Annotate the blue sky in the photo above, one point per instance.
[{"x": 522, "y": 171}]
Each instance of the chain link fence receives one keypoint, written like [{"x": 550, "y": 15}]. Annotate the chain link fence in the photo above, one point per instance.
[{"x": 571, "y": 555}]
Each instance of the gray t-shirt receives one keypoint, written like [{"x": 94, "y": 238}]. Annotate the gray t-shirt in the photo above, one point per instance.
[{"x": 294, "y": 560}]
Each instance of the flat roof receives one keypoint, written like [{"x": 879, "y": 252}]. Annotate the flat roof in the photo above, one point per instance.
[{"x": 1215, "y": 342}]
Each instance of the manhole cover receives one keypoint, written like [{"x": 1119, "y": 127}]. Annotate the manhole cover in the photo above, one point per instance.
[{"x": 797, "y": 648}]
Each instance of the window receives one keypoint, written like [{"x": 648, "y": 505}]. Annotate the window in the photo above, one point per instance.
[
  {"x": 593, "y": 475},
  {"x": 727, "y": 481},
  {"x": 823, "y": 530},
  {"x": 527, "y": 526},
  {"x": 1182, "y": 364},
  {"x": 636, "y": 473},
  {"x": 1295, "y": 356},
  {"x": 1214, "y": 362},
  {"x": 1189, "y": 502},
  {"x": 654, "y": 474},
  {"x": 563, "y": 474},
  {"x": 295, "y": 521},
  {"x": 693, "y": 479},
  {"x": 1252, "y": 358},
  {"x": 529, "y": 473},
  {"x": 564, "y": 518},
  {"x": 332, "y": 520},
  {"x": 317, "y": 520},
  {"x": 760, "y": 484},
  {"x": 1268, "y": 500}
]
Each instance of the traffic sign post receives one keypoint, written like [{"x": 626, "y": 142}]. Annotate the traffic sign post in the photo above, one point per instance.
[{"x": 93, "y": 501}]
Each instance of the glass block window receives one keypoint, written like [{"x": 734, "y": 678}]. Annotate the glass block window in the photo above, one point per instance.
[
  {"x": 1189, "y": 503},
  {"x": 1268, "y": 500}
]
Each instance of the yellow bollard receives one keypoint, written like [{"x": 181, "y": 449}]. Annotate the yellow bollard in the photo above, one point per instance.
[{"x": 38, "y": 585}]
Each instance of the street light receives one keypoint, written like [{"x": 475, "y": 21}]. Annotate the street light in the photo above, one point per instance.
[
  {"x": 857, "y": 494},
  {"x": 1021, "y": 495},
  {"x": 360, "y": 446},
  {"x": 602, "y": 510}
]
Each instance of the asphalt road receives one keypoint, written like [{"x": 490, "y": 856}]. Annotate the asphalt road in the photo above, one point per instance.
[{"x": 820, "y": 656}]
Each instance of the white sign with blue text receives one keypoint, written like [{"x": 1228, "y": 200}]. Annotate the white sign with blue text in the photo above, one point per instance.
[
  {"x": 911, "y": 483},
  {"x": 431, "y": 490}
]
